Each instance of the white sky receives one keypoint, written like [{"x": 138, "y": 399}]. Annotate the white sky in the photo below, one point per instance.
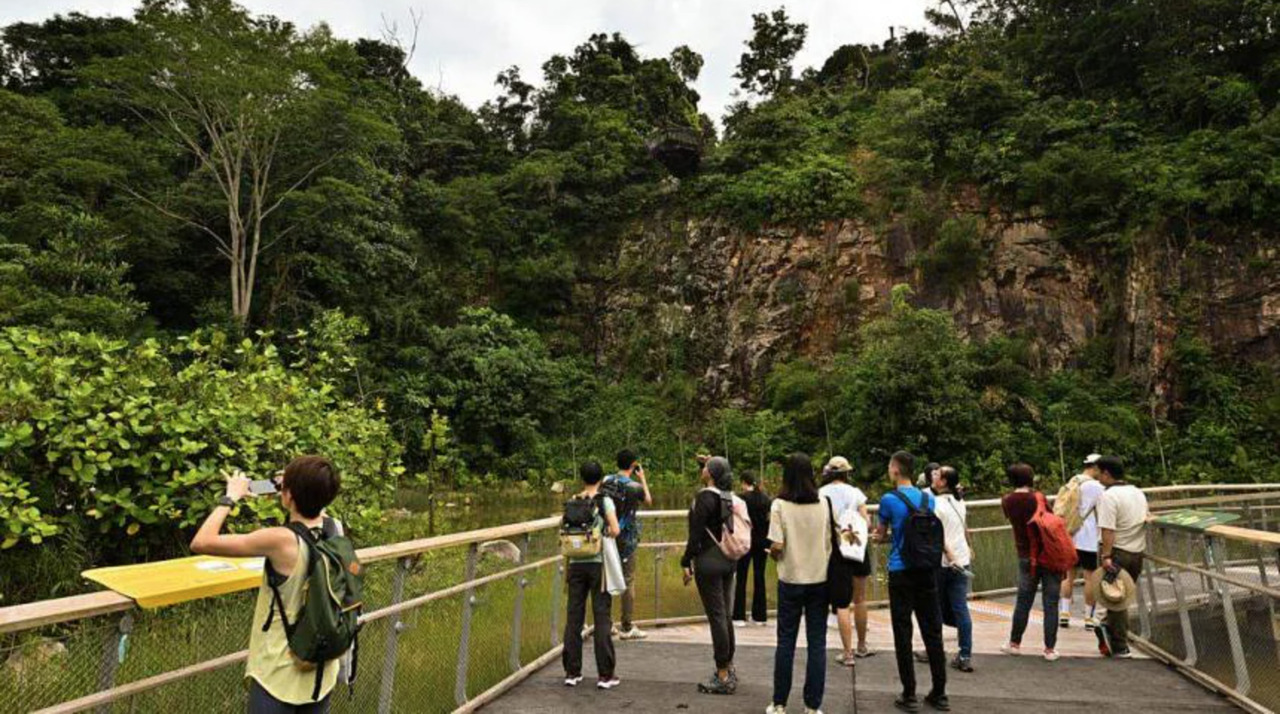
[{"x": 463, "y": 44}]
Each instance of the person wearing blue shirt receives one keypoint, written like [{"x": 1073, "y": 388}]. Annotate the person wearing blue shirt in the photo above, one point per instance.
[
  {"x": 911, "y": 590},
  {"x": 630, "y": 489}
]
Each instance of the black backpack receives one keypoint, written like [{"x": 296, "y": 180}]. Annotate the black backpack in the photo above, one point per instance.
[
  {"x": 922, "y": 535},
  {"x": 623, "y": 499},
  {"x": 580, "y": 515}
]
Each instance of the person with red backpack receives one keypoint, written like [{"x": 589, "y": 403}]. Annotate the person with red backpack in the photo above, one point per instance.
[
  {"x": 719, "y": 535},
  {"x": 1043, "y": 545}
]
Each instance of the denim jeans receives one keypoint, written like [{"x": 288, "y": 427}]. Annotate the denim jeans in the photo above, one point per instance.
[
  {"x": 1050, "y": 586},
  {"x": 916, "y": 592},
  {"x": 794, "y": 602},
  {"x": 953, "y": 597}
]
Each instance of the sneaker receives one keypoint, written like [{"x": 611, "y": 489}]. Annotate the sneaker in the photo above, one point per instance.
[
  {"x": 760, "y": 623},
  {"x": 1051, "y": 655},
  {"x": 907, "y": 704},
  {"x": 939, "y": 702},
  {"x": 1123, "y": 654},
  {"x": 573, "y": 681},
  {"x": 863, "y": 652},
  {"x": 775, "y": 709},
  {"x": 921, "y": 656},
  {"x": 845, "y": 660},
  {"x": 1064, "y": 621},
  {"x": 715, "y": 685},
  {"x": 635, "y": 633},
  {"x": 964, "y": 664},
  {"x": 807, "y": 710},
  {"x": 1104, "y": 640},
  {"x": 614, "y": 631},
  {"x": 739, "y": 623},
  {"x": 1090, "y": 624},
  {"x": 1011, "y": 648},
  {"x": 609, "y": 683}
]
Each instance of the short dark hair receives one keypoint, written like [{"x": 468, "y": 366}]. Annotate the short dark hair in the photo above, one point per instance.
[
  {"x": 748, "y": 478},
  {"x": 1020, "y": 475},
  {"x": 905, "y": 461},
  {"x": 312, "y": 483},
  {"x": 591, "y": 473},
  {"x": 1111, "y": 465},
  {"x": 625, "y": 459},
  {"x": 951, "y": 477}
]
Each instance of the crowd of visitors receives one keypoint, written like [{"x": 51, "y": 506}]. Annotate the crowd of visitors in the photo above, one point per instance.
[{"x": 818, "y": 536}]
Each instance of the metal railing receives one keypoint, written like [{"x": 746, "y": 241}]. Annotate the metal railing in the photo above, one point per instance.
[{"x": 454, "y": 621}]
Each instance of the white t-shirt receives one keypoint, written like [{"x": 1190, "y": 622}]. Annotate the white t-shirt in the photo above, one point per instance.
[
  {"x": 843, "y": 496},
  {"x": 953, "y": 515},
  {"x": 1087, "y": 537},
  {"x": 1123, "y": 508}
]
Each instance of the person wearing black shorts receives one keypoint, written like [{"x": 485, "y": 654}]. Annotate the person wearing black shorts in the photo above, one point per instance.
[{"x": 846, "y": 579}]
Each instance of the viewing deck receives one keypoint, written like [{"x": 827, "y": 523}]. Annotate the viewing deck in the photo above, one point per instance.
[{"x": 660, "y": 674}]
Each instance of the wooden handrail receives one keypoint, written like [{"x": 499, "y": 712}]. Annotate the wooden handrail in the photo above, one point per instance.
[{"x": 16, "y": 618}]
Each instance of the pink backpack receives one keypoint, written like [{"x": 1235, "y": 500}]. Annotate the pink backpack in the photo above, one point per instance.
[{"x": 735, "y": 540}]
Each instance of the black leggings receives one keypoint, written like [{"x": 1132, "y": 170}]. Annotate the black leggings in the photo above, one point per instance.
[{"x": 261, "y": 702}]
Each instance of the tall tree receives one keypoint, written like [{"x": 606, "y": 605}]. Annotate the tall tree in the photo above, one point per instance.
[
  {"x": 766, "y": 68},
  {"x": 230, "y": 91}
]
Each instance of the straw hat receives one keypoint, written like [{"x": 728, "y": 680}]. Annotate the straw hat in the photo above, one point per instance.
[{"x": 1116, "y": 595}]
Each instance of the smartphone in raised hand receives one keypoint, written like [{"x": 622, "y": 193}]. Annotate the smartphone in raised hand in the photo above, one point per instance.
[{"x": 262, "y": 487}]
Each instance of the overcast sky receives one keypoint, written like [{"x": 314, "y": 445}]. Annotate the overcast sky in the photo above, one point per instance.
[{"x": 463, "y": 44}]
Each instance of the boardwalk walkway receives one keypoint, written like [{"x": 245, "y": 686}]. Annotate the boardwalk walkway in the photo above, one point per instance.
[{"x": 659, "y": 674}]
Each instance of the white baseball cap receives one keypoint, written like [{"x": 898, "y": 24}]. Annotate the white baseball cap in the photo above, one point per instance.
[{"x": 1092, "y": 459}]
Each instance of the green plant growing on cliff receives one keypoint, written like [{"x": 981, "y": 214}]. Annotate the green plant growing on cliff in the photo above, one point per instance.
[{"x": 956, "y": 255}]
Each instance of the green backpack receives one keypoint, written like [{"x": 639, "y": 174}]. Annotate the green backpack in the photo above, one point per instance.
[{"x": 329, "y": 621}]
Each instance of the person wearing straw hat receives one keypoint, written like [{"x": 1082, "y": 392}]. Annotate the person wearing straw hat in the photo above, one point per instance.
[{"x": 1122, "y": 519}]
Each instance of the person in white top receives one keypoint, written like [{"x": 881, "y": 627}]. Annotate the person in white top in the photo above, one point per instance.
[
  {"x": 847, "y": 579},
  {"x": 1122, "y": 518},
  {"x": 956, "y": 570},
  {"x": 1086, "y": 540}
]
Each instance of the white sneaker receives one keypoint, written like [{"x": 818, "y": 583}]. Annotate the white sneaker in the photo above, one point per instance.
[
  {"x": 807, "y": 710},
  {"x": 608, "y": 683},
  {"x": 1011, "y": 649},
  {"x": 635, "y": 633},
  {"x": 775, "y": 709},
  {"x": 573, "y": 681},
  {"x": 760, "y": 623},
  {"x": 1051, "y": 655},
  {"x": 739, "y": 623}
]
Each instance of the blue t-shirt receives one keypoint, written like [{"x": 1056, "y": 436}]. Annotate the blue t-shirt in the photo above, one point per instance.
[{"x": 893, "y": 512}]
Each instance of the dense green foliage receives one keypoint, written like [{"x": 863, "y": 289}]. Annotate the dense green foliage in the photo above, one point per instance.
[{"x": 164, "y": 207}]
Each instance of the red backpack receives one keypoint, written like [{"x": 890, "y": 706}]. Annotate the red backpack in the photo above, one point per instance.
[{"x": 1051, "y": 544}]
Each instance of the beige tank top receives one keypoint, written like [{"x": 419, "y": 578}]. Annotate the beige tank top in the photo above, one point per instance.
[{"x": 270, "y": 663}]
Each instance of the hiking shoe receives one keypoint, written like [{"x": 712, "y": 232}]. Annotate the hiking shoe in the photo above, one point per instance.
[
  {"x": 1104, "y": 640},
  {"x": 739, "y": 623},
  {"x": 964, "y": 664},
  {"x": 863, "y": 652},
  {"x": 907, "y": 704},
  {"x": 1051, "y": 655},
  {"x": 1011, "y": 648},
  {"x": 608, "y": 683},
  {"x": 715, "y": 685},
  {"x": 1090, "y": 624},
  {"x": 635, "y": 633},
  {"x": 572, "y": 681},
  {"x": 1125, "y": 653},
  {"x": 1064, "y": 621},
  {"x": 939, "y": 702},
  {"x": 775, "y": 709}
]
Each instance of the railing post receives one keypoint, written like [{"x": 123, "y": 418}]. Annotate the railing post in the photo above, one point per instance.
[
  {"x": 557, "y": 580},
  {"x": 1229, "y": 615},
  {"x": 464, "y": 639},
  {"x": 113, "y": 651},
  {"x": 658, "y": 556},
  {"x": 1184, "y": 618},
  {"x": 387, "y": 689},
  {"x": 517, "y": 620},
  {"x": 1144, "y": 616},
  {"x": 1154, "y": 607}
]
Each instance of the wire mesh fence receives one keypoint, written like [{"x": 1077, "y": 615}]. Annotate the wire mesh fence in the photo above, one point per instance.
[{"x": 432, "y": 642}]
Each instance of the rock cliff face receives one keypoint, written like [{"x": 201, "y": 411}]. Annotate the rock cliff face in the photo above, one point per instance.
[{"x": 741, "y": 300}]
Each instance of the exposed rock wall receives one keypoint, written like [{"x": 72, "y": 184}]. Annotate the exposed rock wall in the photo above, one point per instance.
[{"x": 741, "y": 300}]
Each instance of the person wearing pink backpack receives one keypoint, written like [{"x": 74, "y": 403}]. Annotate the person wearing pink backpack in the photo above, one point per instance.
[{"x": 719, "y": 534}]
